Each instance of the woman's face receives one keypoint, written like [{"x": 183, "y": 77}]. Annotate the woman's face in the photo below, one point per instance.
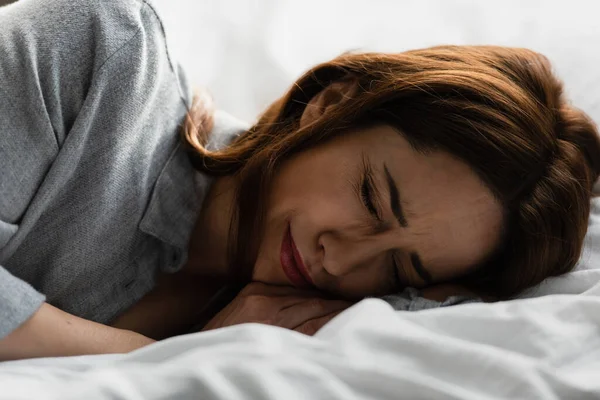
[{"x": 365, "y": 214}]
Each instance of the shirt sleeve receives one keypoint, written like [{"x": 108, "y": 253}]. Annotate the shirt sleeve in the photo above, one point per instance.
[
  {"x": 51, "y": 51},
  {"x": 18, "y": 302}
]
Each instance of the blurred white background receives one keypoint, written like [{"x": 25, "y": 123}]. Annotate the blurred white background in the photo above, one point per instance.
[{"x": 248, "y": 52}]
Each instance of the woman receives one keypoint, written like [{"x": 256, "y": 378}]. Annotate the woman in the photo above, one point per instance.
[{"x": 443, "y": 168}]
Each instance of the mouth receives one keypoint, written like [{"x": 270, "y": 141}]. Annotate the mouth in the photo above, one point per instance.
[{"x": 292, "y": 264}]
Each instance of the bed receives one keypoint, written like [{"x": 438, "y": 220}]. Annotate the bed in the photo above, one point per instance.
[
  {"x": 542, "y": 348},
  {"x": 543, "y": 345}
]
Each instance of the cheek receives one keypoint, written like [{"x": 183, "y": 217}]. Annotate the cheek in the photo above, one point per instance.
[{"x": 313, "y": 186}]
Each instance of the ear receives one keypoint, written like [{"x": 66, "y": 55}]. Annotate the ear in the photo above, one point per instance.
[{"x": 326, "y": 99}]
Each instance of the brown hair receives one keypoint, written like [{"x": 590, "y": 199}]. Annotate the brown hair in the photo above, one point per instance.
[{"x": 501, "y": 110}]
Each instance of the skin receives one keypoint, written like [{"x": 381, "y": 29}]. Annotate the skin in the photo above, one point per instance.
[{"x": 453, "y": 222}]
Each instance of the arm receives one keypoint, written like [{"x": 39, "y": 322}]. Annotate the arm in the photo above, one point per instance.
[
  {"x": 178, "y": 303},
  {"x": 51, "y": 332},
  {"x": 54, "y": 59}
]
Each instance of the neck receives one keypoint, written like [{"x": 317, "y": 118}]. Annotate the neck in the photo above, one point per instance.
[{"x": 207, "y": 253}]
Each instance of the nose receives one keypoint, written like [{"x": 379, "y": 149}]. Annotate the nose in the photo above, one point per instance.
[{"x": 343, "y": 253}]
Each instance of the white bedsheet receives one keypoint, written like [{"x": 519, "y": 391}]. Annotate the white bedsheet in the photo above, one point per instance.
[{"x": 543, "y": 348}]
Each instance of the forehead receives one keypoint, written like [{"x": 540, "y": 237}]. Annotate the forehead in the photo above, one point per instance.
[{"x": 454, "y": 221}]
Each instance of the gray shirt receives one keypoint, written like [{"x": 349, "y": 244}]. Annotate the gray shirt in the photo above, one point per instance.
[{"x": 96, "y": 192}]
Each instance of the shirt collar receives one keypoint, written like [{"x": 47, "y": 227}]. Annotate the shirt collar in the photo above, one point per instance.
[{"x": 180, "y": 190}]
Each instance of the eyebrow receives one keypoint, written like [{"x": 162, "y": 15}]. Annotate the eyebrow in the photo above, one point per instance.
[{"x": 396, "y": 205}]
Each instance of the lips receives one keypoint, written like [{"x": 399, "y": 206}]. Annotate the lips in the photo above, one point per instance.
[{"x": 292, "y": 264}]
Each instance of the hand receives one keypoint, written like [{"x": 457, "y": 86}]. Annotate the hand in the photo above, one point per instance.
[
  {"x": 286, "y": 307},
  {"x": 171, "y": 308}
]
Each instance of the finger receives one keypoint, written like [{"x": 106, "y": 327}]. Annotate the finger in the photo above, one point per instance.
[
  {"x": 312, "y": 326},
  {"x": 274, "y": 290},
  {"x": 313, "y": 308},
  {"x": 314, "y": 303}
]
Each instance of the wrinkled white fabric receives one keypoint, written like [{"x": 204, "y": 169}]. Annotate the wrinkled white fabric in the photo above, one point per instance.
[{"x": 543, "y": 348}]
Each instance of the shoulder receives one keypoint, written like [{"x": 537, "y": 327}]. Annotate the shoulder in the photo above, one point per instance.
[{"x": 66, "y": 25}]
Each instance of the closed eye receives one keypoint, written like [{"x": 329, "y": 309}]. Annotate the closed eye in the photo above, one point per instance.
[
  {"x": 367, "y": 192},
  {"x": 369, "y": 196},
  {"x": 401, "y": 269},
  {"x": 398, "y": 284}
]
